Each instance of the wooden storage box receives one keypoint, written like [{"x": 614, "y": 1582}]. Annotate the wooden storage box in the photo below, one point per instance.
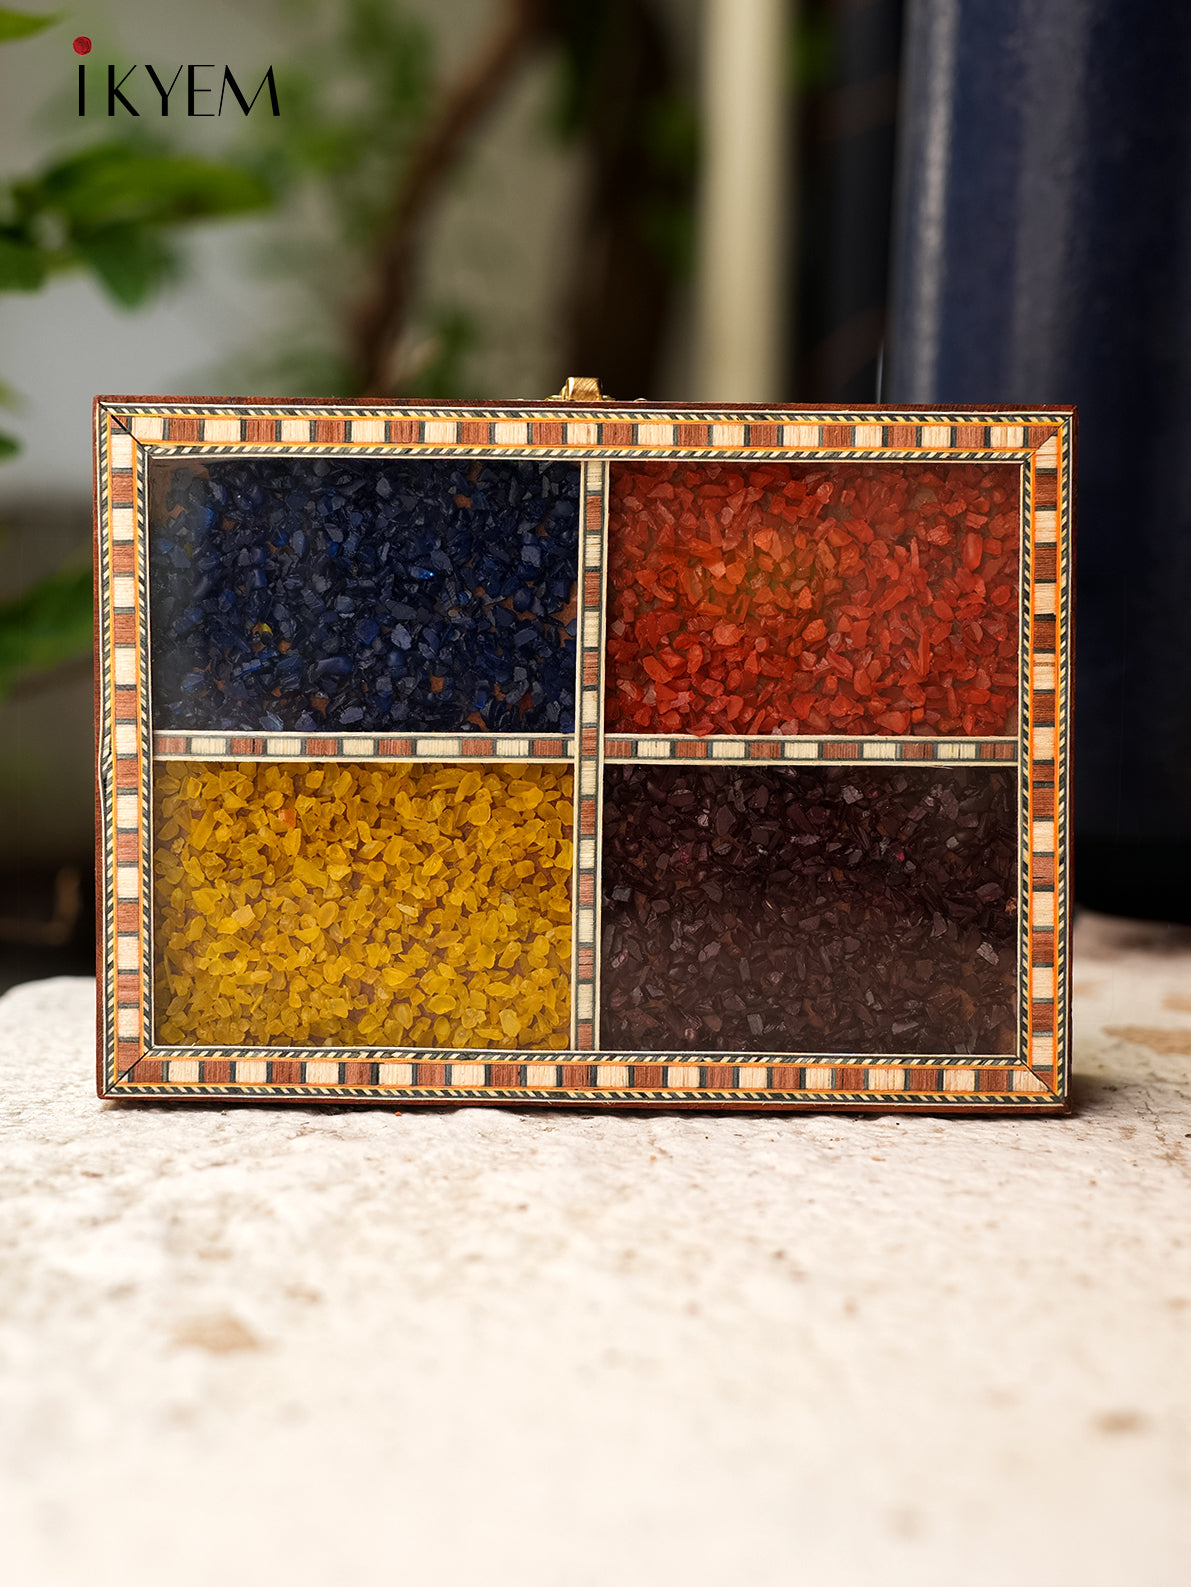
[{"x": 582, "y": 753}]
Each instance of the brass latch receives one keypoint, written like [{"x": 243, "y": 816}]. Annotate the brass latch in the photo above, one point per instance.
[{"x": 579, "y": 388}]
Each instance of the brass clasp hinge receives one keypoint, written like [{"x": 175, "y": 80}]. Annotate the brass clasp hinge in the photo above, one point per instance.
[{"x": 579, "y": 388}]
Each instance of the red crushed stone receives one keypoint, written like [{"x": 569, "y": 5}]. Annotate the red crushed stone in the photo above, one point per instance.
[{"x": 804, "y": 598}]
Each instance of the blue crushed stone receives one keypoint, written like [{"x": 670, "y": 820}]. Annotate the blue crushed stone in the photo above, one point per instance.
[{"x": 309, "y": 594}]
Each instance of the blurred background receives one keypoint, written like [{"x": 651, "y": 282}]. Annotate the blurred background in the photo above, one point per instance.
[{"x": 818, "y": 201}]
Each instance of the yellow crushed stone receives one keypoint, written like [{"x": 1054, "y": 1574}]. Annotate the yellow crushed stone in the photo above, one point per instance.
[{"x": 350, "y": 905}]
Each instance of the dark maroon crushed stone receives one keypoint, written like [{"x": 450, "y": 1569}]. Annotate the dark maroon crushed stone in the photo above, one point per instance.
[{"x": 821, "y": 910}]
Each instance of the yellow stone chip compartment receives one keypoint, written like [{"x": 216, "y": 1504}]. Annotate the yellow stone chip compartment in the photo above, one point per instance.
[{"x": 345, "y": 904}]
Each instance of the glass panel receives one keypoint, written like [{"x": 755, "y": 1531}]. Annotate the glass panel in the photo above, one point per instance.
[
  {"x": 819, "y": 909},
  {"x": 832, "y": 598},
  {"x": 341, "y": 904},
  {"x": 364, "y": 594}
]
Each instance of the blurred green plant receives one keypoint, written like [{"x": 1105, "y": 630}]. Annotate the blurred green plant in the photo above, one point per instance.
[
  {"x": 111, "y": 210},
  {"x": 49, "y": 624},
  {"x": 20, "y": 25}
]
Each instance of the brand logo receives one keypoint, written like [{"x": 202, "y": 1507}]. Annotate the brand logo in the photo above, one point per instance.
[{"x": 114, "y": 91}]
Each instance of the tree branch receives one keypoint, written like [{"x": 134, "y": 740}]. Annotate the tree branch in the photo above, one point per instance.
[{"x": 383, "y": 308}]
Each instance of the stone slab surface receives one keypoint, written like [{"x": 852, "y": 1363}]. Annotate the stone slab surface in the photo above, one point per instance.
[{"x": 328, "y": 1348}]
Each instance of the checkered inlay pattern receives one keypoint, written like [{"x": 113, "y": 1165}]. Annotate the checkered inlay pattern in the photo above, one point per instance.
[
  {"x": 121, "y": 611},
  {"x": 638, "y": 1078},
  {"x": 297, "y": 746},
  {"x": 589, "y": 719},
  {"x": 857, "y": 750},
  {"x": 606, "y": 429},
  {"x": 128, "y": 433},
  {"x": 1045, "y": 978}
]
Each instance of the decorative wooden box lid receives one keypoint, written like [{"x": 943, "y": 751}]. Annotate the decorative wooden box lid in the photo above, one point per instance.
[{"x": 581, "y": 753}]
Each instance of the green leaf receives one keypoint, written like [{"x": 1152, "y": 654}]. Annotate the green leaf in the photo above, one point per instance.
[
  {"x": 115, "y": 185},
  {"x": 9, "y": 446},
  {"x": 19, "y": 24},
  {"x": 22, "y": 266},
  {"x": 48, "y": 624},
  {"x": 112, "y": 205},
  {"x": 132, "y": 262}
]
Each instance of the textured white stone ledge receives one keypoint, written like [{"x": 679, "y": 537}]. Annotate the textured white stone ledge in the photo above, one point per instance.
[{"x": 322, "y": 1349}]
